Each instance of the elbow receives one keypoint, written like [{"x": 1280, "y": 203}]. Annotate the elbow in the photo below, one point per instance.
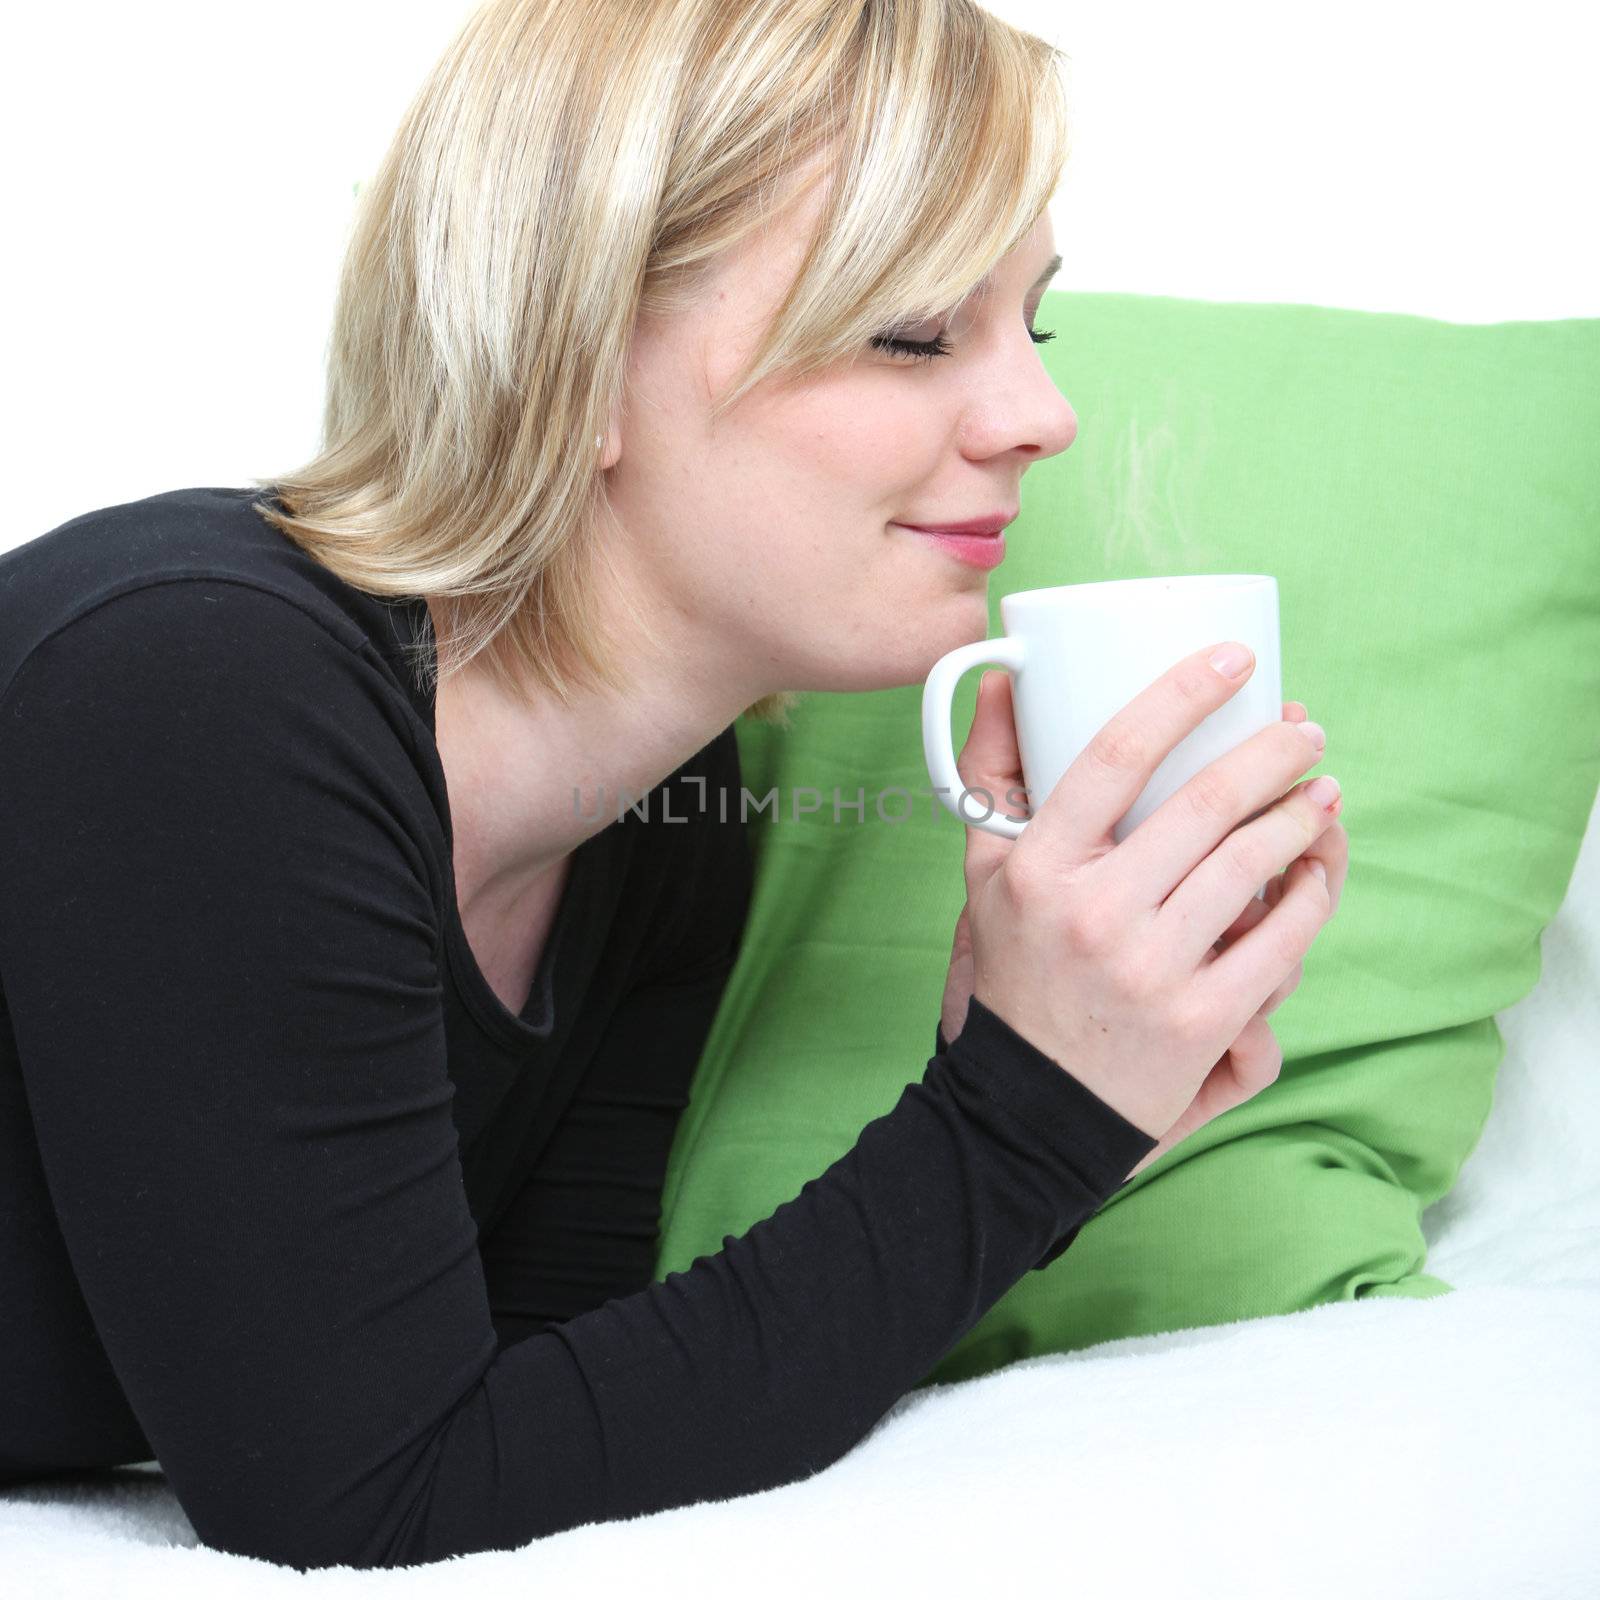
[
  {"x": 309, "y": 1516},
  {"x": 302, "y": 1542}
]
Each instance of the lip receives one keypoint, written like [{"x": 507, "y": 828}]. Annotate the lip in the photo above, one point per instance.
[
  {"x": 985, "y": 550},
  {"x": 980, "y": 526}
]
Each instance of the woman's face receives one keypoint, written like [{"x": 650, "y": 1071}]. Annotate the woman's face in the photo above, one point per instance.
[{"x": 772, "y": 548}]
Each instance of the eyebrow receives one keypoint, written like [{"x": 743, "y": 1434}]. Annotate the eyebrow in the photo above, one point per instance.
[{"x": 1053, "y": 267}]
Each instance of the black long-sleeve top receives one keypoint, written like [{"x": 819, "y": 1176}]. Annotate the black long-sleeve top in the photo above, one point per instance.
[{"x": 291, "y": 1203}]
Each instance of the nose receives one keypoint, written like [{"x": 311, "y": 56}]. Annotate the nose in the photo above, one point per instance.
[
  {"x": 1046, "y": 421},
  {"x": 1025, "y": 412},
  {"x": 1057, "y": 426}
]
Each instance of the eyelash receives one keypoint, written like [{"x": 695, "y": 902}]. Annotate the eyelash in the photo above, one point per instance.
[{"x": 927, "y": 349}]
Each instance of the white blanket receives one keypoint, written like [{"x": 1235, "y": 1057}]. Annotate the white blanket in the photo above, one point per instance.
[{"x": 1430, "y": 1450}]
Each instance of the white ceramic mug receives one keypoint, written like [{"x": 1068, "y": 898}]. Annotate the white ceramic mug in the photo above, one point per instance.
[{"x": 1079, "y": 653}]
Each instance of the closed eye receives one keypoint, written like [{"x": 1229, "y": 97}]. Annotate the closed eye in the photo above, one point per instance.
[{"x": 927, "y": 349}]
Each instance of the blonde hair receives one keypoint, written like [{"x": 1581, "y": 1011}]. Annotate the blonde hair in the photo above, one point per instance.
[{"x": 566, "y": 168}]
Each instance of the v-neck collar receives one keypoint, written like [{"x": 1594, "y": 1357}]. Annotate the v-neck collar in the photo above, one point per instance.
[{"x": 535, "y": 1022}]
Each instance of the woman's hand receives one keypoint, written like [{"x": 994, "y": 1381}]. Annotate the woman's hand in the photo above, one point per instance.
[{"x": 990, "y": 760}]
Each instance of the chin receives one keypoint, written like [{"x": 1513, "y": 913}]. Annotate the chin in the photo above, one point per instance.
[{"x": 901, "y": 649}]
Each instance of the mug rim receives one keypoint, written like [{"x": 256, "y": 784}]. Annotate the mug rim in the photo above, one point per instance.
[{"x": 1066, "y": 593}]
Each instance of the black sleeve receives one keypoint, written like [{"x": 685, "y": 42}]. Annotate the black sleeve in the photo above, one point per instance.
[
  {"x": 219, "y": 946},
  {"x": 1100, "y": 1121},
  {"x": 585, "y": 1225}
]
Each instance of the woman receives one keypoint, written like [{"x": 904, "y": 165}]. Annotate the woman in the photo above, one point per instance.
[{"x": 352, "y": 990}]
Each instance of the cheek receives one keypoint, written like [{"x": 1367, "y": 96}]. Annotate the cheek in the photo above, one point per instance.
[
  {"x": 821, "y": 482},
  {"x": 779, "y": 515},
  {"x": 885, "y": 444},
  {"x": 857, "y": 454}
]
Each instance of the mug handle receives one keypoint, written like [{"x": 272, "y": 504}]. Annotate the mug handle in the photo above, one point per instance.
[{"x": 938, "y": 749}]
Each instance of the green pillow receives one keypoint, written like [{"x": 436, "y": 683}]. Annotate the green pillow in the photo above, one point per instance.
[{"x": 1428, "y": 496}]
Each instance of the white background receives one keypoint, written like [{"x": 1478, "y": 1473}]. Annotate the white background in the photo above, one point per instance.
[{"x": 183, "y": 171}]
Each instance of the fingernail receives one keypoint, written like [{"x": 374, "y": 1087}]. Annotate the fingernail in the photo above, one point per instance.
[
  {"x": 1318, "y": 868},
  {"x": 1231, "y": 660},
  {"x": 1324, "y": 791}
]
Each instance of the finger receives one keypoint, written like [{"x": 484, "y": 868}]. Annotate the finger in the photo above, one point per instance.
[
  {"x": 1292, "y": 982},
  {"x": 1074, "y": 823},
  {"x": 1332, "y": 849},
  {"x": 1229, "y": 873},
  {"x": 1283, "y": 991},
  {"x": 1257, "y": 1056},
  {"x": 991, "y": 757},
  {"x": 1242, "y": 924},
  {"x": 1254, "y": 911},
  {"x": 1246, "y": 1067},
  {"x": 990, "y": 767},
  {"x": 1245, "y": 975}
]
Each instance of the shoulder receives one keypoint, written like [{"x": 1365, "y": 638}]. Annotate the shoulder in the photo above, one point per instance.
[
  {"x": 211, "y": 687},
  {"x": 175, "y": 646},
  {"x": 228, "y": 735},
  {"x": 203, "y": 558}
]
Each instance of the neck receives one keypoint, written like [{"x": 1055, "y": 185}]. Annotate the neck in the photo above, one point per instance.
[{"x": 528, "y": 784}]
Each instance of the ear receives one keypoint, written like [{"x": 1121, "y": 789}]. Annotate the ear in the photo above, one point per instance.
[{"x": 608, "y": 445}]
